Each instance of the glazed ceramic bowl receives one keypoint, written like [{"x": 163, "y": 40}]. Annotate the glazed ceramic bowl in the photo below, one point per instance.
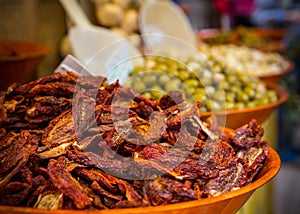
[
  {"x": 225, "y": 203},
  {"x": 19, "y": 61},
  {"x": 236, "y": 118}
]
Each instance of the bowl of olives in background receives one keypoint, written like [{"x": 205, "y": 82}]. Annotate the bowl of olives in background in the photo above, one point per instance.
[{"x": 233, "y": 97}]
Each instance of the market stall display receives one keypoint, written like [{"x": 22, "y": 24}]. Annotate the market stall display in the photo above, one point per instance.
[{"x": 72, "y": 150}]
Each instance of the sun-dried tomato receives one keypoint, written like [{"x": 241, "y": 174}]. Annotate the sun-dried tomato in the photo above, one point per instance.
[{"x": 67, "y": 184}]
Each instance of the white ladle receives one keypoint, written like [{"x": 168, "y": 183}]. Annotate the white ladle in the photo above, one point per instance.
[{"x": 96, "y": 47}]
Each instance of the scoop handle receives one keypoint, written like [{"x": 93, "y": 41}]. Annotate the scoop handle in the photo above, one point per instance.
[{"x": 75, "y": 12}]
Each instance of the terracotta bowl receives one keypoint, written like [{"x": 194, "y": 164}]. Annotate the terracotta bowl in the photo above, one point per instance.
[
  {"x": 226, "y": 203},
  {"x": 273, "y": 35},
  {"x": 19, "y": 61},
  {"x": 236, "y": 118}
]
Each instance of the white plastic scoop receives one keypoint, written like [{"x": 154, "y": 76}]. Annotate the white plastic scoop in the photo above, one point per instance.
[
  {"x": 160, "y": 20},
  {"x": 97, "y": 48}
]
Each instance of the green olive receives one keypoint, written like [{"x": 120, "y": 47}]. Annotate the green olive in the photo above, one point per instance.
[
  {"x": 229, "y": 105},
  {"x": 161, "y": 67},
  {"x": 272, "y": 96},
  {"x": 230, "y": 97},
  {"x": 219, "y": 96},
  {"x": 199, "y": 96},
  {"x": 173, "y": 84},
  {"x": 239, "y": 105},
  {"x": 150, "y": 79},
  {"x": 242, "y": 96},
  {"x": 139, "y": 86},
  {"x": 164, "y": 78},
  {"x": 183, "y": 75},
  {"x": 157, "y": 92},
  {"x": 232, "y": 79},
  {"x": 251, "y": 104},
  {"x": 136, "y": 70},
  {"x": 147, "y": 95},
  {"x": 213, "y": 105},
  {"x": 250, "y": 92},
  {"x": 191, "y": 83}
]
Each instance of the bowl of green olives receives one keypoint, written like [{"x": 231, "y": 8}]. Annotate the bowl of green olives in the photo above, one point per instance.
[{"x": 233, "y": 97}]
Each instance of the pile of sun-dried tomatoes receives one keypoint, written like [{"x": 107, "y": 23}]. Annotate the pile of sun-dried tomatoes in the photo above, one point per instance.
[{"x": 70, "y": 142}]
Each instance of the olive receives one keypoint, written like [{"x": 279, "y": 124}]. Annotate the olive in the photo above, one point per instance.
[
  {"x": 210, "y": 90},
  {"x": 150, "y": 64},
  {"x": 230, "y": 97},
  {"x": 232, "y": 78},
  {"x": 251, "y": 104},
  {"x": 191, "y": 83},
  {"x": 223, "y": 85},
  {"x": 239, "y": 105},
  {"x": 219, "y": 96},
  {"x": 242, "y": 96},
  {"x": 156, "y": 92},
  {"x": 161, "y": 67},
  {"x": 250, "y": 92},
  {"x": 183, "y": 75},
  {"x": 272, "y": 96},
  {"x": 173, "y": 84},
  {"x": 136, "y": 70},
  {"x": 147, "y": 95},
  {"x": 173, "y": 72},
  {"x": 164, "y": 78},
  {"x": 218, "y": 78},
  {"x": 149, "y": 79},
  {"x": 213, "y": 105},
  {"x": 139, "y": 86},
  {"x": 229, "y": 105},
  {"x": 200, "y": 97}
]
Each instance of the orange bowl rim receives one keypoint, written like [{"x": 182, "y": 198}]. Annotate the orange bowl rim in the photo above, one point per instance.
[
  {"x": 42, "y": 50},
  {"x": 281, "y": 92}
]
